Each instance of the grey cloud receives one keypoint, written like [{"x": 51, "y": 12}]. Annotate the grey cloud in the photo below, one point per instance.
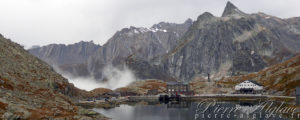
[{"x": 41, "y": 22}]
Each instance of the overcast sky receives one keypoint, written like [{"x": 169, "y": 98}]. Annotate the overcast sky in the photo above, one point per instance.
[{"x": 41, "y": 22}]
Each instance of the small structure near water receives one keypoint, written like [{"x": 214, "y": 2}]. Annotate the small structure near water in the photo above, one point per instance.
[
  {"x": 111, "y": 94},
  {"x": 127, "y": 93},
  {"x": 176, "y": 88},
  {"x": 249, "y": 87}
]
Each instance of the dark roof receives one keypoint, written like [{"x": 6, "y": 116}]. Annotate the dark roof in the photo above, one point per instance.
[
  {"x": 177, "y": 83},
  {"x": 297, "y": 90},
  {"x": 253, "y": 81}
]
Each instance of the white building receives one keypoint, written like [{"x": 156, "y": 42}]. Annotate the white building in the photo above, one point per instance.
[{"x": 249, "y": 86}]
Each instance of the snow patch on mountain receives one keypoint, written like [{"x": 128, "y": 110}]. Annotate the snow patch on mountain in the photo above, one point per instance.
[{"x": 140, "y": 30}]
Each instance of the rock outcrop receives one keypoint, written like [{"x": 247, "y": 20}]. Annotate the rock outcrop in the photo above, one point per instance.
[
  {"x": 231, "y": 10},
  {"x": 145, "y": 43},
  {"x": 236, "y": 43},
  {"x": 31, "y": 89},
  {"x": 144, "y": 70},
  {"x": 60, "y": 54}
]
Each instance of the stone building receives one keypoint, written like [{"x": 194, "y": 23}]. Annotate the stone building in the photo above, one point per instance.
[{"x": 177, "y": 88}]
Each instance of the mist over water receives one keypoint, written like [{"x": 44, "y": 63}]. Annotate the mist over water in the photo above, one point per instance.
[{"x": 115, "y": 78}]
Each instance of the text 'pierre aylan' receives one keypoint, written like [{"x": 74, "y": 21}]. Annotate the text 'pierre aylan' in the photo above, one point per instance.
[{"x": 265, "y": 109}]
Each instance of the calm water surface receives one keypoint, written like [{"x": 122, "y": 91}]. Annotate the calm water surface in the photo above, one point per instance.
[{"x": 187, "y": 111}]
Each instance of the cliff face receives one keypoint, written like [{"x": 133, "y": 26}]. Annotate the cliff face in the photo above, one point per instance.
[
  {"x": 87, "y": 59},
  {"x": 144, "y": 43},
  {"x": 233, "y": 44},
  {"x": 60, "y": 54},
  {"x": 236, "y": 43},
  {"x": 31, "y": 89},
  {"x": 144, "y": 70}
]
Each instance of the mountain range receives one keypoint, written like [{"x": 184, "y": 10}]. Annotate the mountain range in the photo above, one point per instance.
[
  {"x": 235, "y": 43},
  {"x": 232, "y": 48}
]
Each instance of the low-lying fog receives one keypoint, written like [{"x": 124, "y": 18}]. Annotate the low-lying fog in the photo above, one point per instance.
[{"x": 116, "y": 78}]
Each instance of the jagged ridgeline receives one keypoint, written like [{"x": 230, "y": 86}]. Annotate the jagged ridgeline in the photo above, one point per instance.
[
  {"x": 142, "y": 43},
  {"x": 235, "y": 43}
]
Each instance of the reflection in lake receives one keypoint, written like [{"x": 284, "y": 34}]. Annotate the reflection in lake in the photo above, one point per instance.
[
  {"x": 186, "y": 111},
  {"x": 247, "y": 107}
]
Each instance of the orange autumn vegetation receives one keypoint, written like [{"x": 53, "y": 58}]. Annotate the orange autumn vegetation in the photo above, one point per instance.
[
  {"x": 3, "y": 105},
  {"x": 282, "y": 77},
  {"x": 98, "y": 91}
]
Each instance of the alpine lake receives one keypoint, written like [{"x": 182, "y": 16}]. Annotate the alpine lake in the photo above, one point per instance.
[{"x": 206, "y": 109}]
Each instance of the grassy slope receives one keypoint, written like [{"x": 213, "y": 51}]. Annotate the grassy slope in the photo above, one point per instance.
[
  {"x": 279, "y": 79},
  {"x": 142, "y": 87},
  {"x": 31, "y": 89}
]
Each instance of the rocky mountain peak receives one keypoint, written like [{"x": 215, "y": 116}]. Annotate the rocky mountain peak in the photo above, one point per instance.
[
  {"x": 205, "y": 16},
  {"x": 231, "y": 9},
  {"x": 145, "y": 43},
  {"x": 167, "y": 25},
  {"x": 60, "y": 54},
  {"x": 125, "y": 30},
  {"x": 231, "y": 45},
  {"x": 85, "y": 42},
  {"x": 188, "y": 21}
]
